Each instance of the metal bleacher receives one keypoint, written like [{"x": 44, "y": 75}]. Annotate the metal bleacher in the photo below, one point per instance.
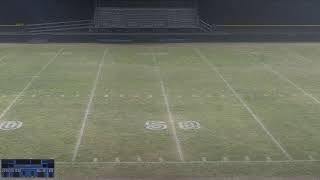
[{"x": 179, "y": 15}]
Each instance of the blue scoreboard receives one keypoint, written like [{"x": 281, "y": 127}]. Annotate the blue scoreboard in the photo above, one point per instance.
[{"x": 27, "y": 168}]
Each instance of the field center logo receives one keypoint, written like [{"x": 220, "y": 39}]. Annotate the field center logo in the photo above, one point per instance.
[
  {"x": 156, "y": 125},
  {"x": 10, "y": 125}
]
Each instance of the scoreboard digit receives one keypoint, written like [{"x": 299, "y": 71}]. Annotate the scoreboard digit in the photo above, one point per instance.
[{"x": 27, "y": 168}]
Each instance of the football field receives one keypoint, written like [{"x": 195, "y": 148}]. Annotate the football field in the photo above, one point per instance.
[{"x": 174, "y": 110}]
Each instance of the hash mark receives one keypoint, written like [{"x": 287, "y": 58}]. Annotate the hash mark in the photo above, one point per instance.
[
  {"x": 204, "y": 159},
  {"x": 247, "y": 158},
  {"x": 225, "y": 159},
  {"x": 269, "y": 159},
  {"x": 310, "y": 157},
  {"x": 139, "y": 159}
]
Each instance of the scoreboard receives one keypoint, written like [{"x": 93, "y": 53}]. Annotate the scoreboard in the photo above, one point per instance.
[{"x": 27, "y": 168}]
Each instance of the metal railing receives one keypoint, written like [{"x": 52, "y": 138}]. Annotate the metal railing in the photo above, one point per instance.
[
  {"x": 59, "y": 26},
  {"x": 205, "y": 27},
  {"x": 12, "y": 28}
]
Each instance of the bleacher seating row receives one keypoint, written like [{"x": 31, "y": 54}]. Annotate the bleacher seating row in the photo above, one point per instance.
[{"x": 115, "y": 17}]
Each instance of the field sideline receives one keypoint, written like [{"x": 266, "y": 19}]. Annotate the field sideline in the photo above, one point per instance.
[{"x": 175, "y": 110}]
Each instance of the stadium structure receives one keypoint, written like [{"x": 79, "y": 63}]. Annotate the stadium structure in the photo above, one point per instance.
[
  {"x": 135, "y": 16},
  {"x": 143, "y": 15}
]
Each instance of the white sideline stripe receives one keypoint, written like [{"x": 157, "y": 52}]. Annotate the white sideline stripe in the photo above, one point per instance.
[
  {"x": 4, "y": 112},
  {"x": 189, "y": 162},
  {"x": 166, "y": 101},
  {"x": 88, "y": 109},
  {"x": 255, "y": 117},
  {"x": 291, "y": 82}
]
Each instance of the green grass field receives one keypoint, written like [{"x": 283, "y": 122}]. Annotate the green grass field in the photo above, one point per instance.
[{"x": 163, "y": 110}]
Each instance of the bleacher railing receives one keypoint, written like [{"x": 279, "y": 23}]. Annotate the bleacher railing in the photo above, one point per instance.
[
  {"x": 146, "y": 3},
  {"x": 106, "y": 17},
  {"x": 16, "y": 28},
  {"x": 205, "y": 27},
  {"x": 59, "y": 26}
]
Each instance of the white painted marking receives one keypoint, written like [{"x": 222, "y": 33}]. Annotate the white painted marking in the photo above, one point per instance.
[
  {"x": 189, "y": 125},
  {"x": 310, "y": 157},
  {"x": 88, "y": 109},
  {"x": 3, "y": 58},
  {"x": 155, "y": 125},
  {"x": 298, "y": 55},
  {"x": 167, "y": 104},
  {"x": 160, "y": 159},
  {"x": 117, "y": 160},
  {"x": 106, "y": 95},
  {"x": 139, "y": 159},
  {"x": 121, "y": 95},
  {"x": 269, "y": 159},
  {"x": 292, "y": 83},
  {"x": 188, "y": 162},
  {"x": 245, "y": 105},
  {"x": 10, "y": 125},
  {"x": 225, "y": 159},
  {"x": 157, "y": 54},
  {"x": 95, "y": 160},
  {"x": 5, "y": 111},
  {"x": 247, "y": 158},
  {"x": 204, "y": 159}
]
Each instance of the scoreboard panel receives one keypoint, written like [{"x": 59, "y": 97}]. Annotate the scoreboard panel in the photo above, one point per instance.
[{"x": 27, "y": 168}]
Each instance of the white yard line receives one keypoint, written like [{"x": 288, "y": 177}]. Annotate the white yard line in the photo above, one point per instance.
[
  {"x": 170, "y": 116},
  {"x": 89, "y": 105},
  {"x": 186, "y": 162},
  {"x": 245, "y": 105},
  {"x": 5, "y": 111},
  {"x": 291, "y": 82}
]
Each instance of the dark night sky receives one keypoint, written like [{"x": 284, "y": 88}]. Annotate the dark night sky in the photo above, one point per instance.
[{"x": 214, "y": 11}]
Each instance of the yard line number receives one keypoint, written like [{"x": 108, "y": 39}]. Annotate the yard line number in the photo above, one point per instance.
[{"x": 161, "y": 125}]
